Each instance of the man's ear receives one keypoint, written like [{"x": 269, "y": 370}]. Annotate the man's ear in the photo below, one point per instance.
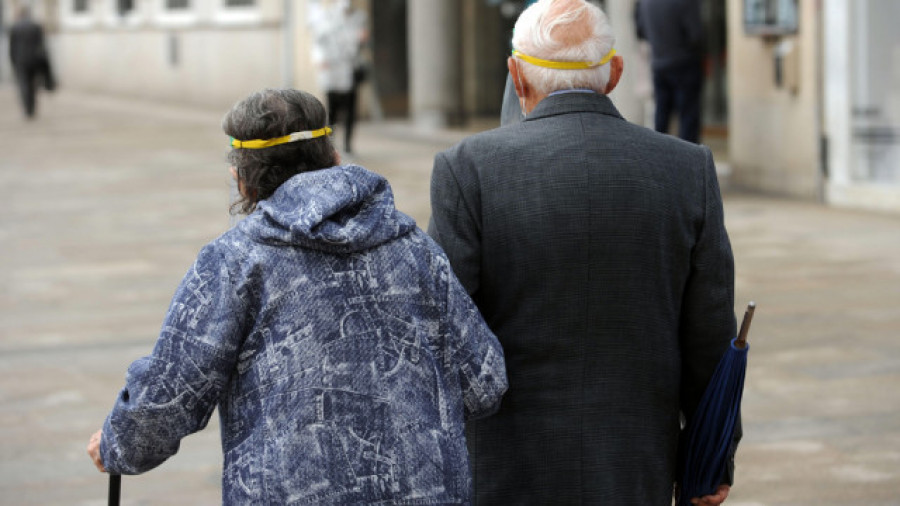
[
  {"x": 616, "y": 67},
  {"x": 512, "y": 66}
]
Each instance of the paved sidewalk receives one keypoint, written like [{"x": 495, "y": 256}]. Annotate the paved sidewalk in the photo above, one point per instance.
[{"x": 107, "y": 203}]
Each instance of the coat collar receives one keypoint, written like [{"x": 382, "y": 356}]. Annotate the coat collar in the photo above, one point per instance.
[{"x": 566, "y": 103}]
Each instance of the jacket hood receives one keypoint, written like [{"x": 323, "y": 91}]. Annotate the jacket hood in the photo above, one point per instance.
[{"x": 342, "y": 209}]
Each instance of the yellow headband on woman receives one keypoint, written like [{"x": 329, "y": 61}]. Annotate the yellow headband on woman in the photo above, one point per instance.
[
  {"x": 296, "y": 136},
  {"x": 564, "y": 65}
]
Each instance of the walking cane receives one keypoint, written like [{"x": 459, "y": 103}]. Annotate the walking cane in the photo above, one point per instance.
[{"x": 115, "y": 488}]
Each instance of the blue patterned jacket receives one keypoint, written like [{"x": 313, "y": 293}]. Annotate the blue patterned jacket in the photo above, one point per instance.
[{"x": 343, "y": 355}]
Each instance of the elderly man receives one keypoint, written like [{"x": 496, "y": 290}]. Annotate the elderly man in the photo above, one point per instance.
[{"x": 596, "y": 251}]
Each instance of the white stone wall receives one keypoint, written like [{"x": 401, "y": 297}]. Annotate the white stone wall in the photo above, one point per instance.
[
  {"x": 212, "y": 67},
  {"x": 774, "y": 130},
  {"x": 208, "y": 55}
]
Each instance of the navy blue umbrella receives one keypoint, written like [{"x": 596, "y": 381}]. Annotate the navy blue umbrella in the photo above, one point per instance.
[{"x": 708, "y": 435}]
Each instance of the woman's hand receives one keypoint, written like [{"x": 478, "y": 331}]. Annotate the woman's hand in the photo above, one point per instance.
[{"x": 93, "y": 449}]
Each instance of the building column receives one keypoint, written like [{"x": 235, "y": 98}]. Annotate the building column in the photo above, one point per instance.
[
  {"x": 838, "y": 89},
  {"x": 435, "y": 70}
]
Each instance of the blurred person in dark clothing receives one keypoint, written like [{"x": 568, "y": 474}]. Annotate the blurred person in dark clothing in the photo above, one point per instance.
[
  {"x": 674, "y": 29},
  {"x": 28, "y": 53}
]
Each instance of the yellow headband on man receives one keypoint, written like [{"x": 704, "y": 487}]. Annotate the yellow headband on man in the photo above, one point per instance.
[
  {"x": 296, "y": 136},
  {"x": 564, "y": 65}
]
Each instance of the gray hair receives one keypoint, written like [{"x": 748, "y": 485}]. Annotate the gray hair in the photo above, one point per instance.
[
  {"x": 534, "y": 35},
  {"x": 269, "y": 114}
]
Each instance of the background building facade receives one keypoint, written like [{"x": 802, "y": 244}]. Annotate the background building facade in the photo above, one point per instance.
[
  {"x": 805, "y": 92},
  {"x": 815, "y": 107}
]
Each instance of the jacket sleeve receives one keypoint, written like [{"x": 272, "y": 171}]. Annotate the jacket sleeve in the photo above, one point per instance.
[
  {"x": 476, "y": 356},
  {"x": 707, "y": 315},
  {"x": 173, "y": 392},
  {"x": 455, "y": 223}
]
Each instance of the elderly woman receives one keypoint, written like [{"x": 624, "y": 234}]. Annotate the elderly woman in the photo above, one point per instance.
[{"x": 341, "y": 351}]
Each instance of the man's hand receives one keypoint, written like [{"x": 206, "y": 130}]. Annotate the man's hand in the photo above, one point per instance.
[
  {"x": 714, "y": 499},
  {"x": 93, "y": 449}
]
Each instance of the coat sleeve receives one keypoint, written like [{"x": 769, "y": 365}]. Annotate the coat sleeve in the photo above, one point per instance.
[
  {"x": 173, "y": 392},
  {"x": 455, "y": 223},
  {"x": 707, "y": 318},
  {"x": 475, "y": 354}
]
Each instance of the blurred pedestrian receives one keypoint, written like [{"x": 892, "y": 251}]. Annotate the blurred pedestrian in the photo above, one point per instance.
[
  {"x": 30, "y": 61},
  {"x": 596, "y": 251},
  {"x": 341, "y": 351},
  {"x": 674, "y": 29},
  {"x": 339, "y": 35}
]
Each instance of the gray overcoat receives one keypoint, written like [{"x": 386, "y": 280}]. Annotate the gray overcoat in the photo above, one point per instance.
[{"x": 596, "y": 251}]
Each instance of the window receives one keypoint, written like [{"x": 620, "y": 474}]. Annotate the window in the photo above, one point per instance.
[
  {"x": 770, "y": 17},
  {"x": 237, "y": 12},
  {"x": 180, "y": 13},
  {"x": 124, "y": 7},
  {"x": 77, "y": 13}
]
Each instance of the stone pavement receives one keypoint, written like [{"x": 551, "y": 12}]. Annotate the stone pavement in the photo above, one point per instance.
[{"x": 107, "y": 203}]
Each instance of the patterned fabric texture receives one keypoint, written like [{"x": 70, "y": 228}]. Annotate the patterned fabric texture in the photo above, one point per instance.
[{"x": 341, "y": 351}]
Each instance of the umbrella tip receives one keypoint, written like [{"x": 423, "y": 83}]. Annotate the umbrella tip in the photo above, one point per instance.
[{"x": 745, "y": 325}]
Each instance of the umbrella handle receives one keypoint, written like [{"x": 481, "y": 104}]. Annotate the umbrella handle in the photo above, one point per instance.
[
  {"x": 745, "y": 326},
  {"x": 115, "y": 489}
]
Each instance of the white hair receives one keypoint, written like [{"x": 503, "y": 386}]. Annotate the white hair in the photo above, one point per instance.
[{"x": 533, "y": 36}]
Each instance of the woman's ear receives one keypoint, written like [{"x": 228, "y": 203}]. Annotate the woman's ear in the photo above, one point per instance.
[{"x": 237, "y": 180}]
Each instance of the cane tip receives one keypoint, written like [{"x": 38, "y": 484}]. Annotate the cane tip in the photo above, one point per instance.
[{"x": 751, "y": 305}]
